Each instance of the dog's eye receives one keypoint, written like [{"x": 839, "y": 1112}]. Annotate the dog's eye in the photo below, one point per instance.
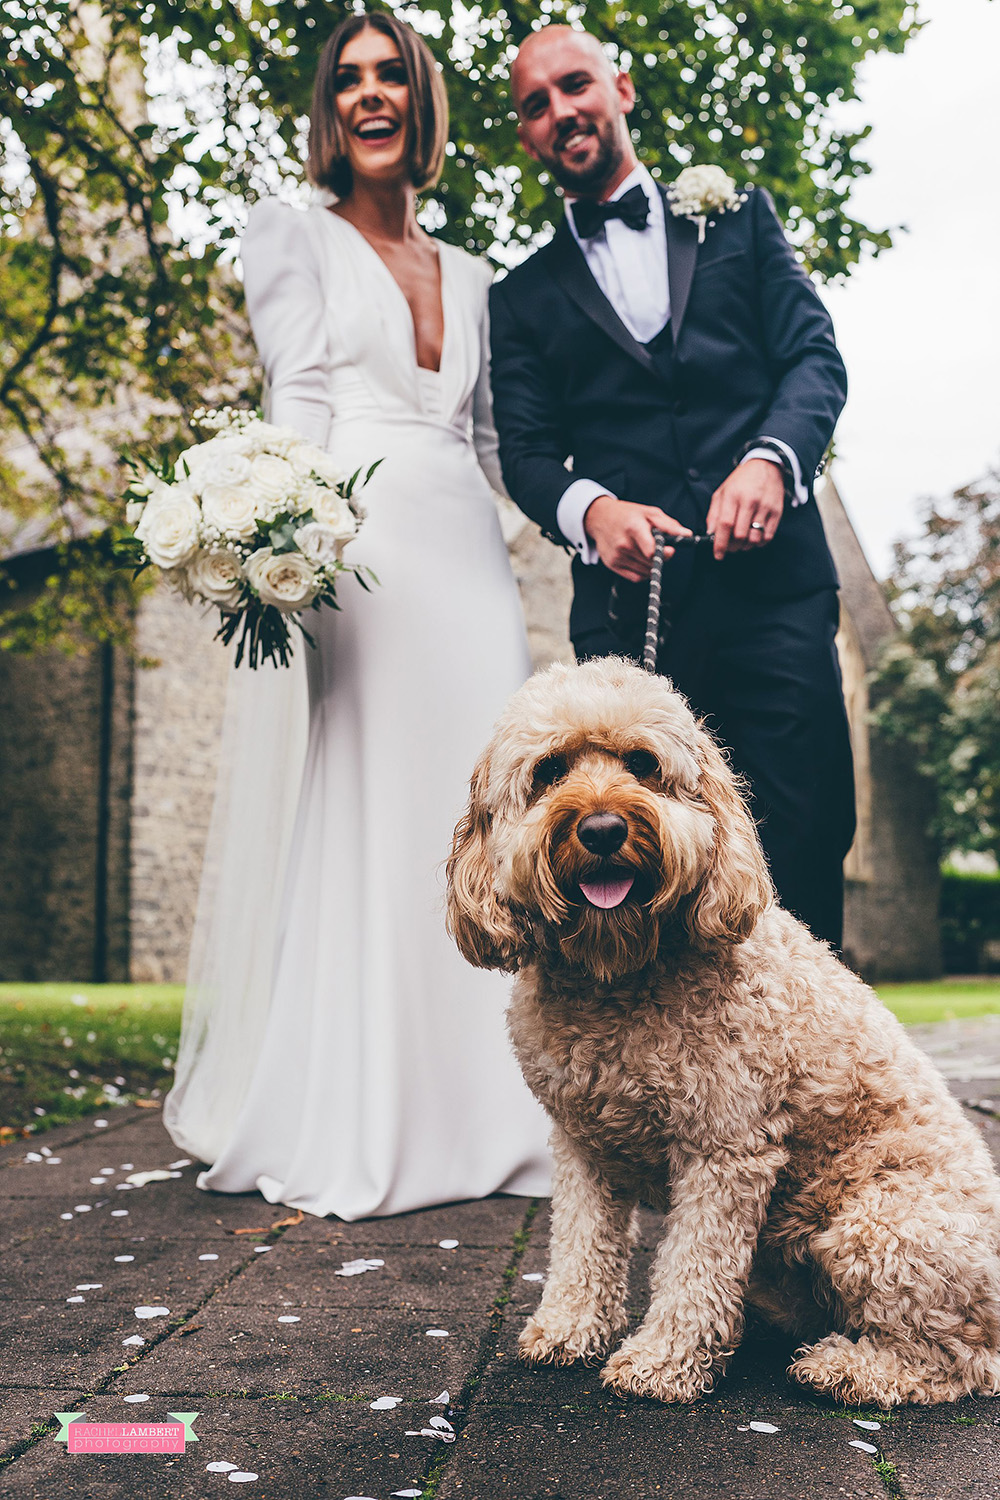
[
  {"x": 641, "y": 763},
  {"x": 549, "y": 771}
]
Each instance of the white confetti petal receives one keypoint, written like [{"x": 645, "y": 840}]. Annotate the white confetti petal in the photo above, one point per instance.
[
  {"x": 121, "y": 1259},
  {"x": 438, "y": 1333},
  {"x": 358, "y": 1267},
  {"x": 432, "y": 1432},
  {"x": 53, "y": 1161},
  {"x": 65, "y": 1216},
  {"x": 32, "y": 1156},
  {"x": 742, "y": 1429},
  {"x": 289, "y": 1318},
  {"x": 139, "y": 1179},
  {"x": 865, "y": 1447},
  {"x": 135, "y": 1340},
  {"x": 107, "y": 1171},
  {"x": 533, "y": 1276},
  {"x": 408, "y": 1494},
  {"x": 763, "y": 1427},
  {"x": 88, "y": 1286},
  {"x": 384, "y": 1403},
  {"x": 45, "y": 1150},
  {"x": 152, "y": 1312},
  {"x": 119, "y": 1213},
  {"x": 100, "y": 1124},
  {"x": 185, "y": 1161},
  {"x": 221, "y": 1467},
  {"x": 442, "y": 1400},
  {"x": 76, "y": 1299},
  {"x": 868, "y": 1426},
  {"x": 124, "y": 1187},
  {"x": 442, "y": 1424},
  {"x": 97, "y": 1182},
  {"x": 259, "y": 1249},
  {"x": 127, "y": 1166},
  {"x": 241, "y": 1477},
  {"x": 209, "y": 1256},
  {"x": 135, "y": 1398},
  {"x": 82, "y": 1208},
  {"x": 448, "y": 1244}
]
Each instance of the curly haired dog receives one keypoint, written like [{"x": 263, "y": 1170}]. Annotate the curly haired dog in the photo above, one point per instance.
[{"x": 699, "y": 1050}]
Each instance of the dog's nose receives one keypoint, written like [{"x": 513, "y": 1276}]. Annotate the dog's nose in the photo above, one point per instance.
[{"x": 602, "y": 833}]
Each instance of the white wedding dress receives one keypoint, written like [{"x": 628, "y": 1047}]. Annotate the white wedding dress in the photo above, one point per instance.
[{"x": 337, "y": 1052}]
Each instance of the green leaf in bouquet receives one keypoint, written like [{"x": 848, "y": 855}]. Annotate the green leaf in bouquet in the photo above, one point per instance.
[
  {"x": 129, "y": 552},
  {"x": 282, "y": 536},
  {"x": 374, "y": 466},
  {"x": 359, "y": 570}
]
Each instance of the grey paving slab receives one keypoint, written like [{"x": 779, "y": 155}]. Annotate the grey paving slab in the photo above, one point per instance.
[
  {"x": 963, "y": 1048},
  {"x": 298, "y": 1449},
  {"x": 123, "y": 1121},
  {"x": 460, "y": 1280},
  {"x": 376, "y": 1353},
  {"x": 159, "y": 1270},
  {"x": 24, "y": 1407},
  {"x": 953, "y": 1456},
  {"x": 60, "y": 1344},
  {"x": 486, "y": 1222},
  {"x": 641, "y": 1450}
]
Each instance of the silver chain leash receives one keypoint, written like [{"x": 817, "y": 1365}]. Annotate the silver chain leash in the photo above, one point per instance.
[{"x": 651, "y": 645}]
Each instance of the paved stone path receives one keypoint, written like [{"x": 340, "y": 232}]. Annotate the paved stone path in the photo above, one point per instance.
[{"x": 291, "y": 1402}]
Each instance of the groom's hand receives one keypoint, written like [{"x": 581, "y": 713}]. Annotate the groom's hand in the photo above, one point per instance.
[
  {"x": 622, "y": 532},
  {"x": 747, "y": 507}
]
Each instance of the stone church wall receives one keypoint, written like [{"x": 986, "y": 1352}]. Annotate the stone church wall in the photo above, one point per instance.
[{"x": 178, "y": 717}]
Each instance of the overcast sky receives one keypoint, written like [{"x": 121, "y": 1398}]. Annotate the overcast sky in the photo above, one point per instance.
[{"x": 919, "y": 326}]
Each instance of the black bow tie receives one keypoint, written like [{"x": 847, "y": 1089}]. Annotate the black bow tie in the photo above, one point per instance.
[{"x": 632, "y": 208}]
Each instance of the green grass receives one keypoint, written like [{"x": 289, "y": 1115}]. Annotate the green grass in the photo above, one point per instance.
[
  {"x": 124, "y": 1031},
  {"x": 943, "y": 1000},
  {"x": 115, "y": 1042}
]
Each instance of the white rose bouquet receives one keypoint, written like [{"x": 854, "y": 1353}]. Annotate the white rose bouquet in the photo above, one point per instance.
[{"x": 254, "y": 521}]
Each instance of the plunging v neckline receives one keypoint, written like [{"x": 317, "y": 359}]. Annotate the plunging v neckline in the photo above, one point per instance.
[{"x": 427, "y": 369}]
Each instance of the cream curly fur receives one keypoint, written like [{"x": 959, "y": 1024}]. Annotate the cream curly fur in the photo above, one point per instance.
[{"x": 699, "y": 1050}]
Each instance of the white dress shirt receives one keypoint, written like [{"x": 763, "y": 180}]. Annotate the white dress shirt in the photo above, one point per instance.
[{"x": 630, "y": 267}]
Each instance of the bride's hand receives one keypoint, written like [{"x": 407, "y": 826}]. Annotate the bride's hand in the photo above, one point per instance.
[{"x": 622, "y": 532}]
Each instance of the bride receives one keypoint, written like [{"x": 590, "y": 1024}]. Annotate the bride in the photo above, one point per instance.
[{"x": 337, "y": 1053}]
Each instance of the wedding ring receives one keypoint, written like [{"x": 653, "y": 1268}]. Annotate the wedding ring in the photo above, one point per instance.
[{"x": 756, "y": 526}]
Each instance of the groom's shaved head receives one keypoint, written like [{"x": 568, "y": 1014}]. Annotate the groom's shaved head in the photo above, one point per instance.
[
  {"x": 549, "y": 43},
  {"x": 572, "y": 108}
]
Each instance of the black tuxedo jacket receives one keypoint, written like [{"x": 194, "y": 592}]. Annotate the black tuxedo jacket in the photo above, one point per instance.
[{"x": 752, "y": 355}]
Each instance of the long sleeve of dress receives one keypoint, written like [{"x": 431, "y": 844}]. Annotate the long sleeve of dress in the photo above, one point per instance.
[
  {"x": 284, "y": 297},
  {"x": 484, "y": 432}
]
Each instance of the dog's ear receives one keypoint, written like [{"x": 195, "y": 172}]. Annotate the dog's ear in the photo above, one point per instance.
[
  {"x": 737, "y": 887},
  {"x": 480, "y": 923}
]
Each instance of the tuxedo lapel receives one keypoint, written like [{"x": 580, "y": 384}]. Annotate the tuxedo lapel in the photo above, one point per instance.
[
  {"x": 682, "y": 251},
  {"x": 568, "y": 266}
]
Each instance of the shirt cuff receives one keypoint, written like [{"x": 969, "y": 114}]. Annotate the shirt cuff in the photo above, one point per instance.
[
  {"x": 570, "y": 513},
  {"x": 800, "y": 493}
]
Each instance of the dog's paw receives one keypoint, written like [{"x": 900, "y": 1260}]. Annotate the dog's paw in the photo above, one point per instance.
[
  {"x": 560, "y": 1338},
  {"x": 642, "y": 1369}
]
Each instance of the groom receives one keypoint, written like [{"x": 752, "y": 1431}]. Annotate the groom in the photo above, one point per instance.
[{"x": 694, "y": 386}]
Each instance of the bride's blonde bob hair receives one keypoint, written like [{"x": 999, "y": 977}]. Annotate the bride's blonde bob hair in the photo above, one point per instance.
[{"x": 328, "y": 164}]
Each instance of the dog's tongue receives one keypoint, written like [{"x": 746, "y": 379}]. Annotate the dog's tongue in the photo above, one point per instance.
[{"x": 607, "y": 893}]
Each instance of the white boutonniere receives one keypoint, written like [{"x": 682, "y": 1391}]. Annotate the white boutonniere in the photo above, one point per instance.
[{"x": 699, "y": 191}]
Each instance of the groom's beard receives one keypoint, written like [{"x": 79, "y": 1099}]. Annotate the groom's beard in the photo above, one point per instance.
[{"x": 599, "y": 172}]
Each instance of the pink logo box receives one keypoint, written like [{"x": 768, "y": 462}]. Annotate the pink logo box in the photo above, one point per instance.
[{"x": 81, "y": 1436}]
